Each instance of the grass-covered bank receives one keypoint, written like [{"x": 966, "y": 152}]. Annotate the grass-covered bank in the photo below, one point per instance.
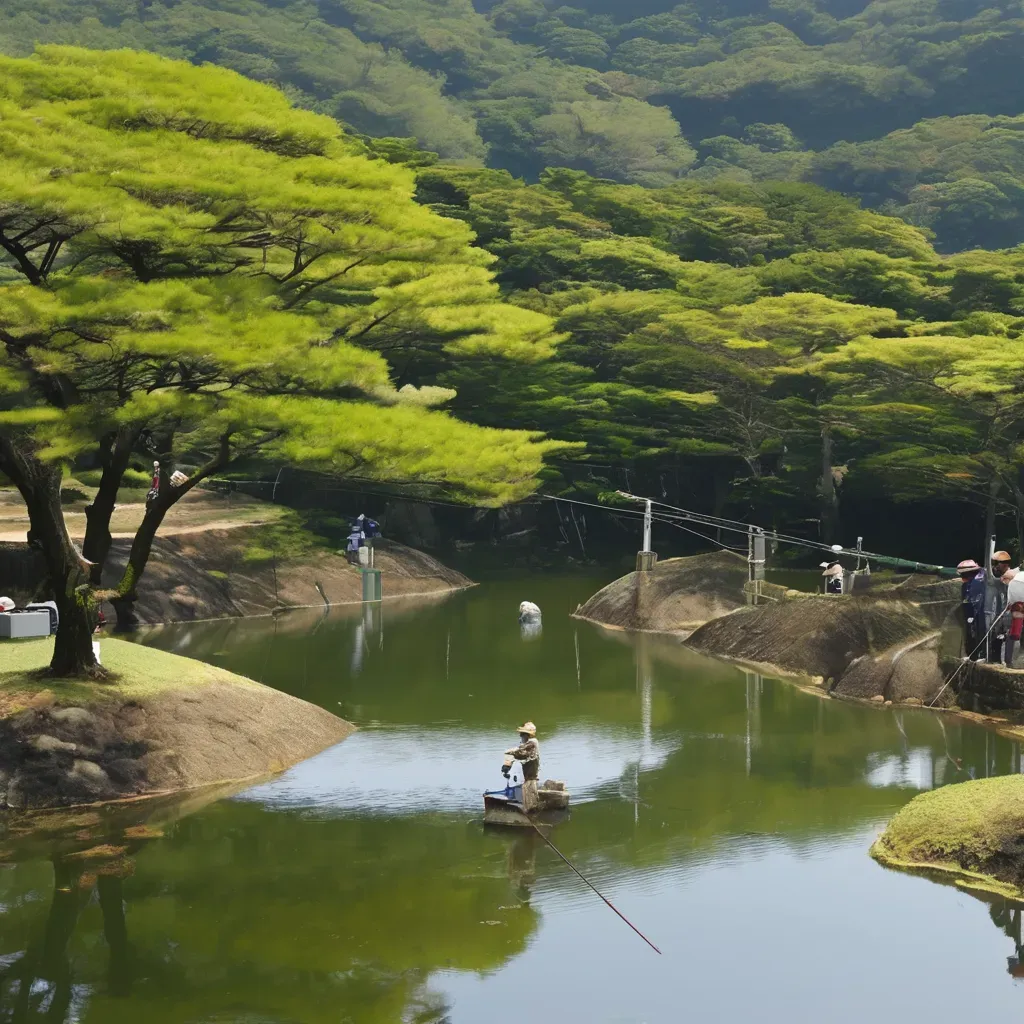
[
  {"x": 972, "y": 831},
  {"x": 136, "y": 673},
  {"x": 161, "y": 724}
]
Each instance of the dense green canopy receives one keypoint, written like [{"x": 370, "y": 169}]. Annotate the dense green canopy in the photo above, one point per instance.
[
  {"x": 197, "y": 270},
  {"x": 913, "y": 106},
  {"x": 753, "y": 349}
]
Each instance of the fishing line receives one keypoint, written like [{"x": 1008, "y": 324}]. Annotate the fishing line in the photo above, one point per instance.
[{"x": 967, "y": 658}]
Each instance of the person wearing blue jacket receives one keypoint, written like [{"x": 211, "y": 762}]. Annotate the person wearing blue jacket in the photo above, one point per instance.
[{"x": 972, "y": 606}]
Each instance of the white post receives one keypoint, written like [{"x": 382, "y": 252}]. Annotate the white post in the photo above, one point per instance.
[{"x": 647, "y": 525}]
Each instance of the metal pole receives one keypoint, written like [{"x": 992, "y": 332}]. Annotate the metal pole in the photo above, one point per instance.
[
  {"x": 647, "y": 525},
  {"x": 860, "y": 546},
  {"x": 758, "y": 551}
]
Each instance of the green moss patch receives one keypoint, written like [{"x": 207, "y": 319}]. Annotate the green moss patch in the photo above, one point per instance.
[
  {"x": 137, "y": 672},
  {"x": 974, "y": 830}
]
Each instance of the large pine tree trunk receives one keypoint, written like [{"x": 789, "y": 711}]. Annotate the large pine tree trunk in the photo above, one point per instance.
[
  {"x": 142, "y": 545},
  {"x": 96, "y": 545},
  {"x": 827, "y": 489},
  {"x": 39, "y": 484},
  {"x": 138, "y": 558}
]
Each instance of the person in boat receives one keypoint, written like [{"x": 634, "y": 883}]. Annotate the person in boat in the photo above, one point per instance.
[{"x": 528, "y": 755}]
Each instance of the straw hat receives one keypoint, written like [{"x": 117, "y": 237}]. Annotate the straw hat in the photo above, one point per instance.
[{"x": 529, "y": 728}]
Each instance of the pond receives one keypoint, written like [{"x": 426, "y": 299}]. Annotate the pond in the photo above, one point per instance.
[{"x": 728, "y": 815}]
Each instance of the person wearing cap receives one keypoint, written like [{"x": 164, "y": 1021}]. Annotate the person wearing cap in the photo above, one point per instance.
[
  {"x": 997, "y": 620},
  {"x": 972, "y": 607},
  {"x": 833, "y": 573},
  {"x": 528, "y": 754}
]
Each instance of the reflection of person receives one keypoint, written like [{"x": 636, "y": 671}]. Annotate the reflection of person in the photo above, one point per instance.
[
  {"x": 528, "y": 754},
  {"x": 1006, "y": 915},
  {"x": 522, "y": 863}
]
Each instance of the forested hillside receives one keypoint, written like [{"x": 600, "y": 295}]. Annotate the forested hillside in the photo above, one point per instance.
[
  {"x": 912, "y": 105},
  {"x": 764, "y": 304},
  {"x": 764, "y": 350}
]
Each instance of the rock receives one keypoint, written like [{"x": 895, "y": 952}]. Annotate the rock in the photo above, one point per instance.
[
  {"x": 16, "y": 796},
  {"x": 90, "y": 771},
  {"x": 128, "y": 773},
  {"x": 888, "y": 703},
  {"x": 914, "y": 701},
  {"x": 74, "y": 717},
  {"x": 878, "y": 699},
  {"x": 50, "y": 744},
  {"x": 903, "y": 674},
  {"x": 676, "y": 595},
  {"x": 814, "y": 635}
]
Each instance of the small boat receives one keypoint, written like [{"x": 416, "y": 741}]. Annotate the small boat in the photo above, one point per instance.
[{"x": 505, "y": 806}]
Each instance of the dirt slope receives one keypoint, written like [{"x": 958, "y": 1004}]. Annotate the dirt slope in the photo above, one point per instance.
[
  {"x": 199, "y": 569},
  {"x": 814, "y": 635},
  {"x": 204, "y": 575}
]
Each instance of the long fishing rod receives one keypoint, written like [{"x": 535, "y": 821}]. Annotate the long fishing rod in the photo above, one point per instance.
[
  {"x": 596, "y": 890},
  {"x": 968, "y": 659}
]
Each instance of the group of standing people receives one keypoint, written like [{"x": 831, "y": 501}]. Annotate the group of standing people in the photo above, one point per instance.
[{"x": 992, "y": 627}]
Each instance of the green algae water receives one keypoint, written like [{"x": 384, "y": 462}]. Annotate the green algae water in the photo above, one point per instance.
[{"x": 727, "y": 814}]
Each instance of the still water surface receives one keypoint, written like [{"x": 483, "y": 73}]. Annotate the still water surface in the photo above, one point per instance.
[{"x": 727, "y": 814}]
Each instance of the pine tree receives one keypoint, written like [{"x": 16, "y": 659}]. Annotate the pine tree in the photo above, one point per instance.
[{"x": 202, "y": 272}]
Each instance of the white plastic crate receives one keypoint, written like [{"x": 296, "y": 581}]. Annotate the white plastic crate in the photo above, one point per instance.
[{"x": 18, "y": 625}]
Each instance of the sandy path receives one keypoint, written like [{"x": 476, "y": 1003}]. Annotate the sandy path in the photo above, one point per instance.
[{"x": 168, "y": 530}]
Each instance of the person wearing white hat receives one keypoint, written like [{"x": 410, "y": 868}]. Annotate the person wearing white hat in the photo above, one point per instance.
[
  {"x": 528, "y": 754},
  {"x": 833, "y": 573},
  {"x": 6, "y": 604}
]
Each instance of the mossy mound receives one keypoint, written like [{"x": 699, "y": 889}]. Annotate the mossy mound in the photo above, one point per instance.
[
  {"x": 162, "y": 724},
  {"x": 972, "y": 830},
  {"x": 678, "y": 595}
]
